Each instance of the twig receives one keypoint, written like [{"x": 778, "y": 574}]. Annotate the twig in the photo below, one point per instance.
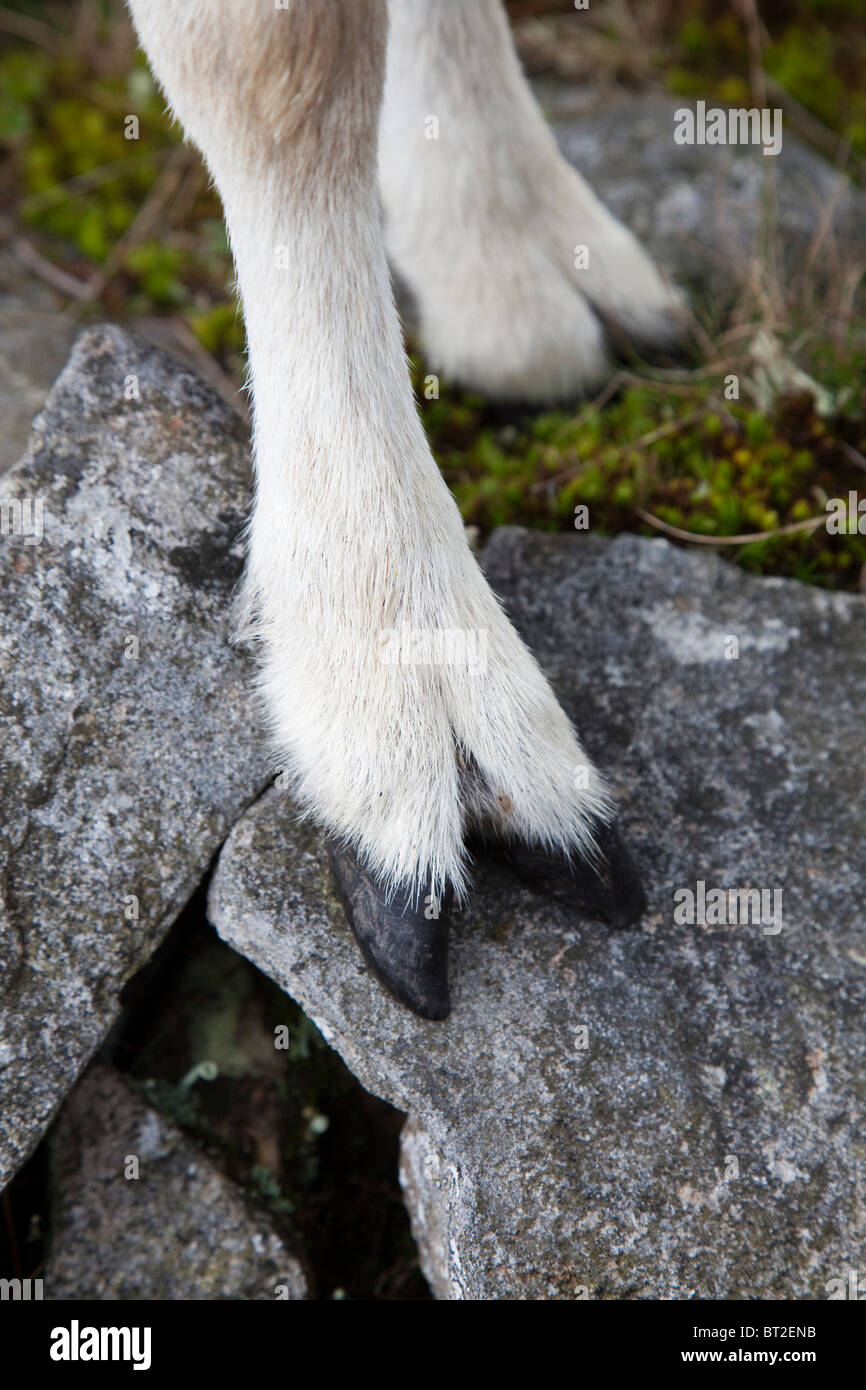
[
  {"x": 813, "y": 130},
  {"x": 61, "y": 280},
  {"x": 854, "y": 454},
  {"x": 594, "y": 406},
  {"x": 150, "y": 211},
  {"x": 851, "y": 281},
  {"x": 210, "y": 368},
  {"x": 740, "y": 330},
  {"x": 675, "y": 378},
  {"x": 85, "y": 183},
  {"x": 701, "y": 336},
  {"x": 756, "y": 37},
  {"x": 16, "y": 316},
  {"x": 721, "y": 408},
  {"x": 34, "y": 30},
  {"x": 672, "y": 427},
  {"x": 825, "y": 223},
  {"x": 811, "y": 524},
  {"x": 662, "y": 431}
]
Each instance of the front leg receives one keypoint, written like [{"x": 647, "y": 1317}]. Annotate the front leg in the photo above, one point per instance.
[{"x": 359, "y": 578}]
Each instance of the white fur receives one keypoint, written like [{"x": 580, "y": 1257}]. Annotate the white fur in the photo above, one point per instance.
[
  {"x": 483, "y": 222},
  {"x": 353, "y": 531}
]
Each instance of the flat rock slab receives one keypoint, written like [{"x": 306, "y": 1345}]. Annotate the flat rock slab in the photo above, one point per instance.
[
  {"x": 140, "y": 1213},
  {"x": 676, "y": 1111},
  {"x": 129, "y": 747}
]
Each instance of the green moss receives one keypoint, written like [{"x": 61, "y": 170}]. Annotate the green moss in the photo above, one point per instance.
[
  {"x": 219, "y": 328},
  {"x": 674, "y": 456},
  {"x": 80, "y": 171},
  {"x": 159, "y": 269},
  {"x": 804, "y": 62}
]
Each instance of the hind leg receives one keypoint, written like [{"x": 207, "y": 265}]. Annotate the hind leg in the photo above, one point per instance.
[{"x": 509, "y": 255}]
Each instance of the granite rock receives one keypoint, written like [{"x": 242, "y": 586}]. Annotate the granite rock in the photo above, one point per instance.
[
  {"x": 129, "y": 743},
  {"x": 707, "y": 212},
  {"x": 141, "y": 1214},
  {"x": 674, "y": 1111}
]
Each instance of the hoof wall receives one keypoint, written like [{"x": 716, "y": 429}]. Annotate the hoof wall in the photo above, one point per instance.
[
  {"x": 407, "y": 950},
  {"x": 610, "y": 889}
]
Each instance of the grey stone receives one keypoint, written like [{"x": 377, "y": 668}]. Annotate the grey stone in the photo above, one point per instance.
[
  {"x": 121, "y": 772},
  {"x": 177, "y": 1229},
  {"x": 705, "y": 1138},
  {"x": 35, "y": 339},
  {"x": 706, "y": 211},
  {"x": 121, "y": 777}
]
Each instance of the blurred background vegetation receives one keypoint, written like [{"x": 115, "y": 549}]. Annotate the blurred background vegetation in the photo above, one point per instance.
[{"x": 130, "y": 229}]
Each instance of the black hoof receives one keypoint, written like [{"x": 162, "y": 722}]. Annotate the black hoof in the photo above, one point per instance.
[
  {"x": 609, "y": 889},
  {"x": 407, "y": 950}
]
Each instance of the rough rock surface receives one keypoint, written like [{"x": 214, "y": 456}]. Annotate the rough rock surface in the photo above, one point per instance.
[
  {"x": 704, "y": 1136},
  {"x": 706, "y": 210},
  {"x": 125, "y": 765},
  {"x": 178, "y": 1230},
  {"x": 34, "y": 344},
  {"x": 129, "y": 748}
]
